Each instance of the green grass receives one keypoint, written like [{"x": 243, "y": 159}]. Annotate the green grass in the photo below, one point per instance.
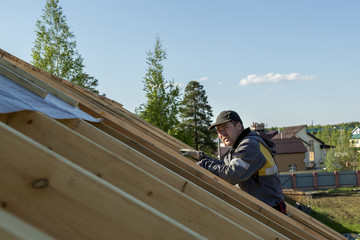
[
  {"x": 345, "y": 189},
  {"x": 341, "y": 212},
  {"x": 338, "y": 219}
]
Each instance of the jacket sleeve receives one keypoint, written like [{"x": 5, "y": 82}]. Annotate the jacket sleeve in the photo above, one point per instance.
[{"x": 246, "y": 160}]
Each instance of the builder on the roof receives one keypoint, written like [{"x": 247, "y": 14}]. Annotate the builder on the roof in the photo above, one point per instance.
[{"x": 249, "y": 164}]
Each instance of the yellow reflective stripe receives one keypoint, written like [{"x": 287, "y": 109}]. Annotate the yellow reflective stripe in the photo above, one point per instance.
[{"x": 269, "y": 168}]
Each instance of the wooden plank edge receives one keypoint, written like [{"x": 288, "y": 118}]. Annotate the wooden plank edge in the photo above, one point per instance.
[
  {"x": 19, "y": 229},
  {"x": 22, "y": 81},
  {"x": 39, "y": 83}
]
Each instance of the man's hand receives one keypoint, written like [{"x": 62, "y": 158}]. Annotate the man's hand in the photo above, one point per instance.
[{"x": 191, "y": 153}]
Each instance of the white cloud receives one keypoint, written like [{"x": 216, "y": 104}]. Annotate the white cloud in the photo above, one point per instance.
[
  {"x": 273, "y": 78},
  {"x": 219, "y": 82},
  {"x": 202, "y": 79}
]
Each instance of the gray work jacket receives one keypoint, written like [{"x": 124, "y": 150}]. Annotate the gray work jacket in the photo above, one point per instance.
[{"x": 250, "y": 166}]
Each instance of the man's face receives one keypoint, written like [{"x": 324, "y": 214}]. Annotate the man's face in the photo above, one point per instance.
[{"x": 228, "y": 133}]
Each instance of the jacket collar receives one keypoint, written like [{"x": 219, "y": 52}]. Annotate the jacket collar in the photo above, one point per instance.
[{"x": 242, "y": 135}]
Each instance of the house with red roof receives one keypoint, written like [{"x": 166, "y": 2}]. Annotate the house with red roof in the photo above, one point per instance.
[
  {"x": 315, "y": 148},
  {"x": 297, "y": 149}
]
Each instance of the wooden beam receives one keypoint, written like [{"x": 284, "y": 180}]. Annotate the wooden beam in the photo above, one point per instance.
[
  {"x": 67, "y": 202},
  {"x": 149, "y": 128},
  {"x": 166, "y": 176},
  {"x": 126, "y": 176},
  {"x": 22, "y": 81},
  {"x": 12, "y": 227},
  {"x": 38, "y": 82}
]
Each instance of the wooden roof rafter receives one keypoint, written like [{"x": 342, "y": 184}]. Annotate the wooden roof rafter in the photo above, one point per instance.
[{"x": 82, "y": 205}]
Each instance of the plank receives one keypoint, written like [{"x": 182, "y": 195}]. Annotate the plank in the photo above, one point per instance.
[
  {"x": 12, "y": 227},
  {"x": 149, "y": 128},
  {"x": 22, "y": 81},
  {"x": 66, "y": 201},
  {"x": 38, "y": 82},
  {"x": 125, "y": 176},
  {"x": 166, "y": 176}
]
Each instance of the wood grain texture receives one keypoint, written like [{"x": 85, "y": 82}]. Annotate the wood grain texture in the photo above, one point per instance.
[
  {"x": 75, "y": 204},
  {"x": 126, "y": 176}
]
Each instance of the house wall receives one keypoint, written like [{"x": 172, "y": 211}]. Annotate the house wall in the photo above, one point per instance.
[
  {"x": 284, "y": 160},
  {"x": 355, "y": 142},
  {"x": 319, "y": 153}
]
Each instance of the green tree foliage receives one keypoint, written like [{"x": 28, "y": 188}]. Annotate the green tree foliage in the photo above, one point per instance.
[
  {"x": 330, "y": 134},
  {"x": 195, "y": 114},
  {"x": 344, "y": 157},
  {"x": 55, "y": 48},
  {"x": 331, "y": 162},
  {"x": 161, "y": 108}
]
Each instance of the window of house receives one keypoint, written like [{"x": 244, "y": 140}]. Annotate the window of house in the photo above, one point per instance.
[
  {"x": 311, "y": 156},
  {"x": 311, "y": 145},
  {"x": 292, "y": 168}
]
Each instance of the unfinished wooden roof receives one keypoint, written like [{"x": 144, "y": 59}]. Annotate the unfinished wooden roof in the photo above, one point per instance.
[{"x": 120, "y": 178}]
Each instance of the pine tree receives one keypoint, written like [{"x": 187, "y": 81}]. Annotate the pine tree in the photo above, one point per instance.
[
  {"x": 196, "y": 114},
  {"x": 161, "y": 108},
  {"x": 55, "y": 51}
]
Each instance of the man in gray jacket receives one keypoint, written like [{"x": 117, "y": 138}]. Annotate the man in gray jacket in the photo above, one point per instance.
[{"x": 249, "y": 164}]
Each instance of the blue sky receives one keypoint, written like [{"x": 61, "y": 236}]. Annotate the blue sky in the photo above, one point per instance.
[{"x": 283, "y": 63}]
